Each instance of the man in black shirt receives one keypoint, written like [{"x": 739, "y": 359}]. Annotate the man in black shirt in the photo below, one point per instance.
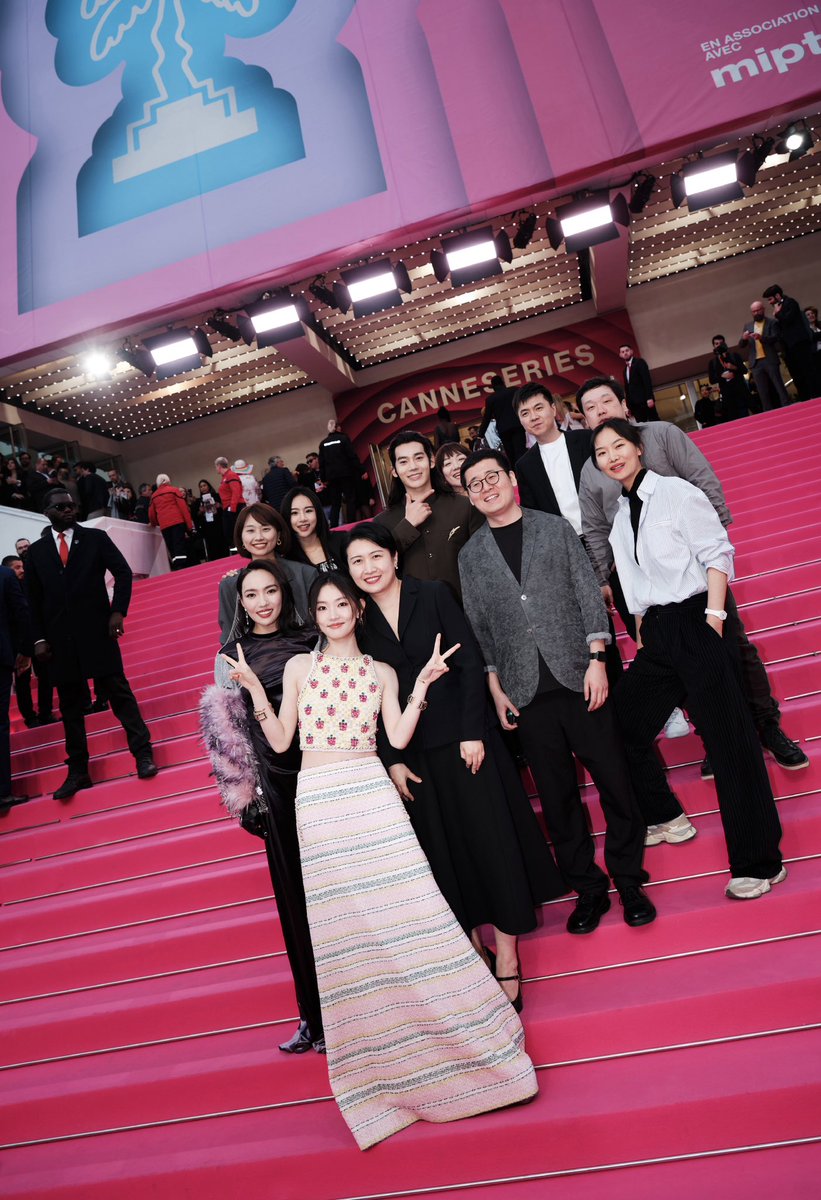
[
  {"x": 793, "y": 329},
  {"x": 499, "y": 408},
  {"x": 338, "y": 469},
  {"x": 93, "y": 491},
  {"x": 532, "y": 598},
  {"x": 276, "y": 482}
]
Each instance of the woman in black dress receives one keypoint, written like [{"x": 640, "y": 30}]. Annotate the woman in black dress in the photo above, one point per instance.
[
  {"x": 270, "y": 633},
  {"x": 207, "y": 513},
  {"x": 465, "y": 798}
]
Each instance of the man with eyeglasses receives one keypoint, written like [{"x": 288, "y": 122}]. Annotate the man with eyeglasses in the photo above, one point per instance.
[
  {"x": 531, "y": 596},
  {"x": 77, "y": 629}
]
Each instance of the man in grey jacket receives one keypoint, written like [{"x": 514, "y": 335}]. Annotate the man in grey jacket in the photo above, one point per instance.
[
  {"x": 669, "y": 451},
  {"x": 759, "y": 342},
  {"x": 530, "y": 594}
]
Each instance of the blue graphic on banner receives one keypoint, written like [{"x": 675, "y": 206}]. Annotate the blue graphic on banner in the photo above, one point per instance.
[
  {"x": 190, "y": 119},
  {"x": 166, "y": 129}
]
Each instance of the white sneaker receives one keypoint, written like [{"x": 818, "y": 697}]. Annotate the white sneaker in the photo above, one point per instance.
[
  {"x": 676, "y": 725},
  {"x": 679, "y": 830},
  {"x": 743, "y": 887}
]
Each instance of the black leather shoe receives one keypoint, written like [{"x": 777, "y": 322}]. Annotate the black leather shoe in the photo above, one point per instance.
[
  {"x": 301, "y": 1041},
  {"x": 638, "y": 908},
  {"x": 31, "y": 722},
  {"x": 146, "y": 767},
  {"x": 74, "y": 783},
  {"x": 98, "y": 706},
  {"x": 707, "y": 771},
  {"x": 46, "y": 719},
  {"x": 787, "y": 753},
  {"x": 589, "y": 910},
  {"x": 7, "y": 802}
]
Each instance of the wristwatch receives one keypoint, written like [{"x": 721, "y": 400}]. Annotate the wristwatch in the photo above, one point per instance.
[
  {"x": 716, "y": 612},
  {"x": 598, "y": 656}
]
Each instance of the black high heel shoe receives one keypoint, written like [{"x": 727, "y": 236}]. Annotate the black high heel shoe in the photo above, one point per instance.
[
  {"x": 491, "y": 959},
  {"x": 518, "y": 1000}
]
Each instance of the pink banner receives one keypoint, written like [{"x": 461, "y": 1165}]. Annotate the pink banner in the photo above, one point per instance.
[{"x": 199, "y": 148}]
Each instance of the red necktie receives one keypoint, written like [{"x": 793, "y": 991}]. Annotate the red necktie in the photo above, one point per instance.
[{"x": 61, "y": 537}]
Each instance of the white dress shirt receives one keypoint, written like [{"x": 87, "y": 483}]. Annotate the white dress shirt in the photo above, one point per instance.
[
  {"x": 560, "y": 473},
  {"x": 680, "y": 536}
]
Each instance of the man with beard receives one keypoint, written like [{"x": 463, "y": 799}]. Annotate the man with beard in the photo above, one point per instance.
[{"x": 77, "y": 629}]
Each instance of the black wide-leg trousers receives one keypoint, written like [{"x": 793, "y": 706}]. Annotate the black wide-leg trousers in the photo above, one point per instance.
[
  {"x": 554, "y": 727},
  {"x": 684, "y": 661},
  {"x": 755, "y": 682},
  {"x": 285, "y": 869}
]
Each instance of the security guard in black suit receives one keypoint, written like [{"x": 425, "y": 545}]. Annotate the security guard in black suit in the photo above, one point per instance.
[{"x": 77, "y": 628}]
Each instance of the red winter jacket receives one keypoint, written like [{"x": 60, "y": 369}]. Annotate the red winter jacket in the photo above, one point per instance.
[
  {"x": 231, "y": 493},
  {"x": 168, "y": 507}
]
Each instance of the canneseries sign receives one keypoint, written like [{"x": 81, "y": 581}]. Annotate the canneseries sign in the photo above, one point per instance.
[
  {"x": 162, "y": 151},
  {"x": 562, "y": 359}
]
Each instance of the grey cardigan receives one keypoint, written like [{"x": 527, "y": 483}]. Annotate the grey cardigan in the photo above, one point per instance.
[
  {"x": 556, "y": 610},
  {"x": 667, "y": 451}
]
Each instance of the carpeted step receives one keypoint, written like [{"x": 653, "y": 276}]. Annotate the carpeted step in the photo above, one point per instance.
[{"x": 676, "y": 1101}]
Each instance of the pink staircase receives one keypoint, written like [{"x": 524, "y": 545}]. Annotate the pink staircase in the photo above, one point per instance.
[{"x": 143, "y": 984}]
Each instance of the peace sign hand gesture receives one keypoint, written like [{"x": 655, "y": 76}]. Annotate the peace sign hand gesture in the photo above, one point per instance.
[
  {"x": 241, "y": 672},
  {"x": 436, "y": 664}
]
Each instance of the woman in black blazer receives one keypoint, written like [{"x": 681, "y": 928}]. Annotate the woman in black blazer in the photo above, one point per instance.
[{"x": 465, "y": 798}]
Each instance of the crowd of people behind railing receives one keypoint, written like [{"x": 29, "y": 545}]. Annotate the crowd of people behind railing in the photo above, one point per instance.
[{"x": 197, "y": 525}]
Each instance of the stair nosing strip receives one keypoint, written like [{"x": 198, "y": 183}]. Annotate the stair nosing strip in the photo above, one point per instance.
[
  {"x": 676, "y": 955},
  {"x": 599, "y": 1168},
  {"x": 197, "y": 1117},
  {"x": 90, "y": 887},
  {"x": 112, "y": 983},
  {"x": 185, "y": 1037},
  {"x": 192, "y": 912},
  {"x": 272, "y": 954}
]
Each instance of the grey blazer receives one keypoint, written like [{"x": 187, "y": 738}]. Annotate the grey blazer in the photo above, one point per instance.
[
  {"x": 556, "y": 610},
  {"x": 769, "y": 340},
  {"x": 667, "y": 451}
]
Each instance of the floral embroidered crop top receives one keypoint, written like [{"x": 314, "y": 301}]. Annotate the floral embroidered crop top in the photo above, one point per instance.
[{"x": 339, "y": 704}]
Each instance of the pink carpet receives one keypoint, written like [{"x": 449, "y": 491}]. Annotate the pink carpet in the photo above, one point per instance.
[{"x": 143, "y": 983}]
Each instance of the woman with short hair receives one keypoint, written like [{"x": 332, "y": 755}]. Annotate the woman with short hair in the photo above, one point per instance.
[
  {"x": 449, "y": 458},
  {"x": 674, "y": 561}
]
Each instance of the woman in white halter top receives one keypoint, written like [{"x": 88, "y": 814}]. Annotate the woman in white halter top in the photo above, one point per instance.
[{"x": 416, "y": 1028}]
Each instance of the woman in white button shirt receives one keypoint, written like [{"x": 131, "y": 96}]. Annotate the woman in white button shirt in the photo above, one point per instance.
[{"x": 674, "y": 561}]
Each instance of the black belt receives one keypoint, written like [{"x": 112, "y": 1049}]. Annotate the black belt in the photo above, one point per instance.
[{"x": 694, "y": 602}]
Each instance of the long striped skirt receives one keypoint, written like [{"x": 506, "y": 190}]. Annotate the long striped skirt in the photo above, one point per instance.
[{"x": 416, "y": 1028}]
